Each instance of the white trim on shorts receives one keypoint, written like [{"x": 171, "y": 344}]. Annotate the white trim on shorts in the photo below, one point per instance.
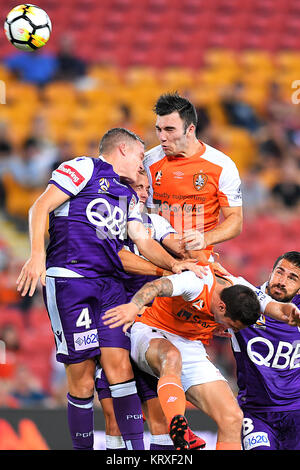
[{"x": 196, "y": 367}]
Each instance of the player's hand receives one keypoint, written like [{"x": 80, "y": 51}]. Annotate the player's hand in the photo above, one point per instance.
[
  {"x": 222, "y": 332},
  {"x": 190, "y": 265},
  {"x": 219, "y": 269},
  {"x": 193, "y": 240},
  {"x": 293, "y": 313},
  {"x": 121, "y": 315},
  {"x": 33, "y": 270}
]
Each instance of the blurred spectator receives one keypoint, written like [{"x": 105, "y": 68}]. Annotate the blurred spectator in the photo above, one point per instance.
[
  {"x": 9, "y": 334},
  {"x": 40, "y": 131},
  {"x": 29, "y": 168},
  {"x": 286, "y": 192},
  {"x": 203, "y": 124},
  {"x": 65, "y": 152},
  {"x": 9, "y": 297},
  {"x": 6, "y": 151},
  {"x": 270, "y": 172},
  {"x": 126, "y": 119},
  {"x": 38, "y": 68},
  {"x": 238, "y": 112},
  {"x": 27, "y": 389},
  {"x": 69, "y": 66},
  {"x": 254, "y": 192},
  {"x": 7, "y": 400}
]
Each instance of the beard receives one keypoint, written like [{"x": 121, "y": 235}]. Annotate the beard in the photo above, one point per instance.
[{"x": 279, "y": 293}]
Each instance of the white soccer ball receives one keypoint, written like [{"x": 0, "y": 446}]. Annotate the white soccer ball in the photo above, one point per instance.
[{"x": 27, "y": 27}]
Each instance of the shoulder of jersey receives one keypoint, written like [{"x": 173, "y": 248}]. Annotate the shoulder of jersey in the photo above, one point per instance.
[
  {"x": 216, "y": 156},
  {"x": 211, "y": 154},
  {"x": 81, "y": 161},
  {"x": 153, "y": 155}
]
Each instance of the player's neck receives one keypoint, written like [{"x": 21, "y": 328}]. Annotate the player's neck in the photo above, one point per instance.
[
  {"x": 193, "y": 147},
  {"x": 220, "y": 285}
]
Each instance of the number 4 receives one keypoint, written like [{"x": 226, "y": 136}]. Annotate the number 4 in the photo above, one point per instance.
[{"x": 84, "y": 318}]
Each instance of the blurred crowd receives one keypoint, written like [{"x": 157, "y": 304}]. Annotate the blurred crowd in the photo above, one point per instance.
[{"x": 263, "y": 137}]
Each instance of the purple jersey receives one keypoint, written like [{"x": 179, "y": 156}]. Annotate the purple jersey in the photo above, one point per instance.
[
  {"x": 88, "y": 230},
  {"x": 296, "y": 300},
  {"x": 268, "y": 365},
  {"x": 158, "y": 228}
]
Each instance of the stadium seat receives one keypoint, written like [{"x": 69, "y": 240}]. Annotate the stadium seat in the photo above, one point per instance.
[{"x": 18, "y": 198}]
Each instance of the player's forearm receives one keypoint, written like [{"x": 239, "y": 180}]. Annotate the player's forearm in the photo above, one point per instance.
[
  {"x": 158, "y": 288},
  {"x": 137, "y": 265},
  {"x": 155, "y": 253},
  {"x": 38, "y": 219},
  {"x": 278, "y": 311},
  {"x": 230, "y": 228}
]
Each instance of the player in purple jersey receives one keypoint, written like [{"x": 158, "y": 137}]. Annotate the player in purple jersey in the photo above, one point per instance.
[
  {"x": 268, "y": 359},
  {"x": 161, "y": 230},
  {"x": 90, "y": 211}
]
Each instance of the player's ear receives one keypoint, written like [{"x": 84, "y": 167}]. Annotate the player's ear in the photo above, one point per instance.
[
  {"x": 123, "y": 148},
  {"x": 190, "y": 131},
  {"x": 222, "y": 307}
]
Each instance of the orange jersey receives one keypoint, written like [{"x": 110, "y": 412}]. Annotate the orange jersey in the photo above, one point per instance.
[
  {"x": 189, "y": 192},
  {"x": 188, "y": 312},
  {"x": 181, "y": 315}
]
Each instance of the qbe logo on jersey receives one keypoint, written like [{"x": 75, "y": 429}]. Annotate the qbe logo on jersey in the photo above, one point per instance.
[{"x": 110, "y": 220}]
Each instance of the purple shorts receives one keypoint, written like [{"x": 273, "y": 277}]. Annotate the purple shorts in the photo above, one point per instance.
[
  {"x": 271, "y": 430},
  {"x": 75, "y": 307},
  {"x": 146, "y": 384}
]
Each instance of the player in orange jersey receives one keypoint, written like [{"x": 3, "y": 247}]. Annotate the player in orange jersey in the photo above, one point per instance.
[
  {"x": 191, "y": 182},
  {"x": 168, "y": 341}
]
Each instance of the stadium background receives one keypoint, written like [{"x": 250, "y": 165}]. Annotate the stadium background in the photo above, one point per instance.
[{"x": 105, "y": 64}]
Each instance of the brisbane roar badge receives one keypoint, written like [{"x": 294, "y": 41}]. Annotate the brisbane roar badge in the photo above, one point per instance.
[
  {"x": 158, "y": 176},
  {"x": 200, "y": 180}
]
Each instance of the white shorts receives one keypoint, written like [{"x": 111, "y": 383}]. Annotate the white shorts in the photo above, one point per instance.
[{"x": 196, "y": 367}]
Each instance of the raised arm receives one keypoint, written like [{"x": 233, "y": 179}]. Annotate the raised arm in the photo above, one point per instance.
[{"x": 35, "y": 267}]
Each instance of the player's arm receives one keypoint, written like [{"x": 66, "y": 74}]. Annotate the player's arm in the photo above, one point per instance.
[
  {"x": 286, "y": 312},
  {"x": 135, "y": 264},
  {"x": 35, "y": 266},
  {"x": 125, "y": 314},
  {"x": 172, "y": 242},
  {"x": 155, "y": 253},
  {"x": 186, "y": 284},
  {"x": 230, "y": 228}
]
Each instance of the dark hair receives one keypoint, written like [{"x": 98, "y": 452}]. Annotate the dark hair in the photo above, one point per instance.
[
  {"x": 114, "y": 137},
  {"x": 291, "y": 256},
  {"x": 242, "y": 304},
  {"x": 171, "y": 102}
]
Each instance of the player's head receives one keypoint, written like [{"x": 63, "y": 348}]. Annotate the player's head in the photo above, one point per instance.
[
  {"x": 175, "y": 123},
  {"x": 284, "y": 282},
  {"x": 238, "y": 307},
  {"x": 124, "y": 150},
  {"x": 142, "y": 188}
]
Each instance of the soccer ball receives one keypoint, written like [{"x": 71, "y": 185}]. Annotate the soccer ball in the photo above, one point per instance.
[{"x": 27, "y": 27}]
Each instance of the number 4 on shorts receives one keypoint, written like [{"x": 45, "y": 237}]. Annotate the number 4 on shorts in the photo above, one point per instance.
[{"x": 84, "y": 319}]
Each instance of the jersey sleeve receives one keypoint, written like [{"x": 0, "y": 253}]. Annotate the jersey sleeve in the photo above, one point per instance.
[
  {"x": 162, "y": 228},
  {"x": 152, "y": 156},
  {"x": 229, "y": 192},
  {"x": 73, "y": 175},
  {"x": 264, "y": 299},
  {"x": 187, "y": 285},
  {"x": 134, "y": 210}
]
